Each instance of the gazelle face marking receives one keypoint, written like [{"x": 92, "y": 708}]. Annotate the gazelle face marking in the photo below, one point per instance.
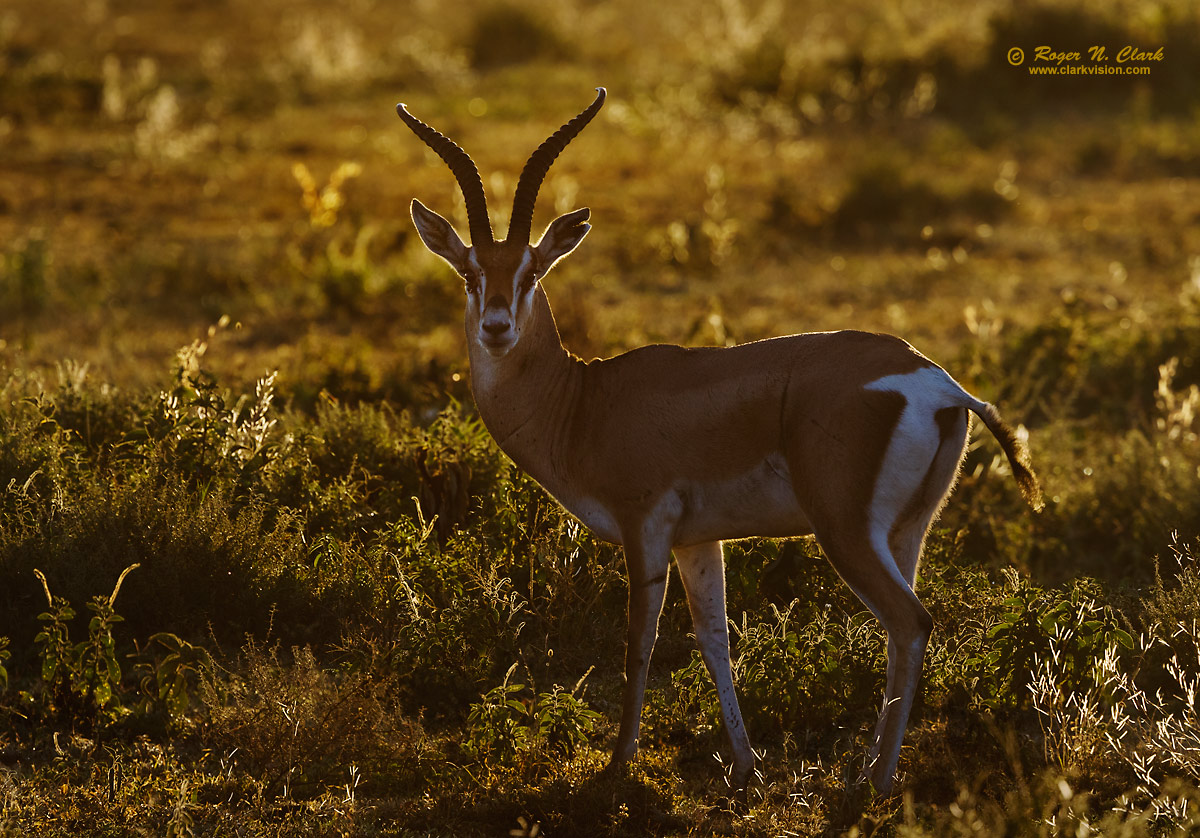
[
  {"x": 498, "y": 297},
  {"x": 501, "y": 278}
]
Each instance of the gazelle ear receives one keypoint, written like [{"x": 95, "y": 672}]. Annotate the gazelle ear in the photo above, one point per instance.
[
  {"x": 439, "y": 236},
  {"x": 562, "y": 236}
]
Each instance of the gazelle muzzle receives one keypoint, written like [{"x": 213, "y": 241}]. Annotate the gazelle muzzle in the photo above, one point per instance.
[{"x": 496, "y": 332}]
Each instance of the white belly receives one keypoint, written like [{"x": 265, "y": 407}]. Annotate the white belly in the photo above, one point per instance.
[{"x": 759, "y": 502}]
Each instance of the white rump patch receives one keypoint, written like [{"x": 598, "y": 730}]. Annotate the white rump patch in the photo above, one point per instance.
[{"x": 912, "y": 448}]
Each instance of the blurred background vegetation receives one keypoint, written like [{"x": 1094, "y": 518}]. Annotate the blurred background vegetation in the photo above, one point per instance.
[{"x": 338, "y": 571}]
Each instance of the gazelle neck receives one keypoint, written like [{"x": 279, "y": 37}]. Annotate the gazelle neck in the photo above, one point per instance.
[{"x": 525, "y": 396}]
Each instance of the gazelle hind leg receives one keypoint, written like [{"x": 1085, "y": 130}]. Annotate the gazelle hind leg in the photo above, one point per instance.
[
  {"x": 702, "y": 569},
  {"x": 877, "y": 581},
  {"x": 897, "y": 539}
]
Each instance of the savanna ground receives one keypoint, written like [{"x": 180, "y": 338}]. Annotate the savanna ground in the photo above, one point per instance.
[{"x": 227, "y": 362}]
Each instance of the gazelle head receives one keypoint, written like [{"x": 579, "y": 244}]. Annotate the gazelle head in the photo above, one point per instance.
[{"x": 501, "y": 276}]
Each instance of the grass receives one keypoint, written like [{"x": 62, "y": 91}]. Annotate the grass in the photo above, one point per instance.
[{"x": 226, "y": 358}]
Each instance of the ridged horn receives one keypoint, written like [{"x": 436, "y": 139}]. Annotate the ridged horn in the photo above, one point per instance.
[
  {"x": 539, "y": 163},
  {"x": 465, "y": 172}
]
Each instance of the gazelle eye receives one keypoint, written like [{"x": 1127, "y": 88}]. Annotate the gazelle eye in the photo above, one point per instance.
[{"x": 472, "y": 281}]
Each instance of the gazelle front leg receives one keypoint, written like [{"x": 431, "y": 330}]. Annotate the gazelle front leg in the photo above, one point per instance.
[
  {"x": 702, "y": 569},
  {"x": 647, "y": 559}
]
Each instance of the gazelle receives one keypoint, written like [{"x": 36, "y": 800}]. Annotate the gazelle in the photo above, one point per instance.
[{"x": 854, "y": 437}]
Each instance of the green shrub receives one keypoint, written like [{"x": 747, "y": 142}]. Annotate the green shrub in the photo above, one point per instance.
[
  {"x": 172, "y": 680},
  {"x": 1175, "y": 598},
  {"x": 296, "y": 725},
  {"x": 81, "y": 681},
  {"x": 802, "y": 667},
  {"x": 1034, "y": 624},
  {"x": 510, "y": 719},
  {"x": 200, "y": 433}
]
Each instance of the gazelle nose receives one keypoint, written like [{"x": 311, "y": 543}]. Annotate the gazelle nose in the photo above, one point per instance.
[{"x": 495, "y": 328}]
